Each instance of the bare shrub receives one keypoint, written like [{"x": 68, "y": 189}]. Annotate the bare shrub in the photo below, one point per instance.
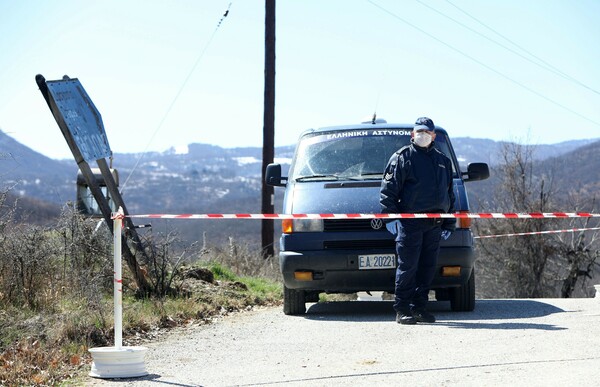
[
  {"x": 163, "y": 260},
  {"x": 27, "y": 256},
  {"x": 39, "y": 266},
  {"x": 579, "y": 252},
  {"x": 540, "y": 265},
  {"x": 244, "y": 260},
  {"x": 518, "y": 264},
  {"x": 6, "y": 222},
  {"x": 86, "y": 263}
]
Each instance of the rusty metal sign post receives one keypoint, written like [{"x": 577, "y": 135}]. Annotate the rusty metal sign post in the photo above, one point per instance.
[{"x": 81, "y": 125}]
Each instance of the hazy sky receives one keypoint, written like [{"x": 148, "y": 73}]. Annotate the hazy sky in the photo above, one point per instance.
[{"x": 163, "y": 74}]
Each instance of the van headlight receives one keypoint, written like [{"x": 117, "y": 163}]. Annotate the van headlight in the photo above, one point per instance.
[{"x": 301, "y": 225}]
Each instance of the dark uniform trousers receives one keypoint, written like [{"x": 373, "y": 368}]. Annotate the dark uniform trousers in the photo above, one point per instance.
[{"x": 417, "y": 247}]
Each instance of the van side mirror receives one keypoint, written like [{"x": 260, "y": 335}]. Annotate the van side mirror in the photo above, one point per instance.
[
  {"x": 477, "y": 171},
  {"x": 273, "y": 176}
]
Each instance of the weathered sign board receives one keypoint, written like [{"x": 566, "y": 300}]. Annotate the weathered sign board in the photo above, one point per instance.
[{"x": 81, "y": 117}]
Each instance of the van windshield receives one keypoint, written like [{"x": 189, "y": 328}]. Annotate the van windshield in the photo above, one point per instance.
[{"x": 351, "y": 154}]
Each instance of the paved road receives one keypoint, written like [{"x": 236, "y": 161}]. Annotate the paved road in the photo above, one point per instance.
[{"x": 542, "y": 342}]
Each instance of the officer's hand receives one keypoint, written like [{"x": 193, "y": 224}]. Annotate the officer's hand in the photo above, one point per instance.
[
  {"x": 446, "y": 234},
  {"x": 393, "y": 226}
]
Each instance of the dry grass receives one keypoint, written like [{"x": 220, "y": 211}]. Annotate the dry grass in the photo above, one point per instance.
[
  {"x": 43, "y": 349},
  {"x": 56, "y": 295}
]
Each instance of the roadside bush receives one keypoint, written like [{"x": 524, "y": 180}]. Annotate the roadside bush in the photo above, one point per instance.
[
  {"x": 27, "y": 259},
  {"x": 56, "y": 292},
  {"x": 86, "y": 254},
  {"x": 162, "y": 261},
  {"x": 40, "y": 265}
]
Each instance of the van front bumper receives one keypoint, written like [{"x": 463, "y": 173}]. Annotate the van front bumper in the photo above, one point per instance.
[{"x": 338, "y": 272}]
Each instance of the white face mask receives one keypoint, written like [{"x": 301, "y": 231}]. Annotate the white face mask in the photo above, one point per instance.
[{"x": 422, "y": 139}]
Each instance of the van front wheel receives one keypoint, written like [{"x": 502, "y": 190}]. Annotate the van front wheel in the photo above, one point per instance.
[
  {"x": 462, "y": 299},
  {"x": 294, "y": 301}
]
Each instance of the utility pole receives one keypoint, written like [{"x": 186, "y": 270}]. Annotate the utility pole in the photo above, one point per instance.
[{"x": 268, "y": 205}]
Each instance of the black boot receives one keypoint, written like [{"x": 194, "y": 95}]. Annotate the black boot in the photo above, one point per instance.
[
  {"x": 423, "y": 316},
  {"x": 405, "y": 317}
]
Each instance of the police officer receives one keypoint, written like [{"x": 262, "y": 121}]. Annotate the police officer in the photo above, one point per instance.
[{"x": 417, "y": 179}]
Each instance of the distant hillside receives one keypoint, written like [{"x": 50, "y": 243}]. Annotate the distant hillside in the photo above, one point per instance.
[
  {"x": 579, "y": 169},
  {"x": 28, "y": 173},
  {"x": 470, "y": 150}
]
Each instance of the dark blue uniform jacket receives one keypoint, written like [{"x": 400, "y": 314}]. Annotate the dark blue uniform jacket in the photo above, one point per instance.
[{"x": 418, "y": 180}]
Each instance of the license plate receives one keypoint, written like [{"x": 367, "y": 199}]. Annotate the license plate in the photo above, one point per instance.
[{"x": 376, "y": 261}]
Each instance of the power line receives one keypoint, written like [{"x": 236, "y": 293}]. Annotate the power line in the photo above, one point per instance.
[
  {"x": 485, "y": 65},
  {"x": 547, "y": 66},
  {"x": 185, "y": 81}
]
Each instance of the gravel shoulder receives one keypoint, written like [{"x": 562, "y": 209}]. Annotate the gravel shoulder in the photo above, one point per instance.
[{"x": 528, "y": 342}]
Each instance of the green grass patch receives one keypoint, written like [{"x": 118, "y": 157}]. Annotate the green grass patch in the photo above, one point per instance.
[
  {"x": 221, "y": 272},
  {"x": 263, "y": 286}
]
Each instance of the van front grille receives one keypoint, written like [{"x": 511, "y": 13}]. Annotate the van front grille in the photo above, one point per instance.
[
  {"x": 360, "y": 245},
  {"x": 347, "y": 225}
]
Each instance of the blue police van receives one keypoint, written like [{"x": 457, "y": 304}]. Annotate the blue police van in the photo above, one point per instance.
[{"x": 338, "y": 170}]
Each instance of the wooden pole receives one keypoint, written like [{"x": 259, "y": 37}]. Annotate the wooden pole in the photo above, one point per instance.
[{"x": 268, "y": 205}]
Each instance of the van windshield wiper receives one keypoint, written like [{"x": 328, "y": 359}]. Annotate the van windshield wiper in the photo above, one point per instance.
[
  {"x": 310, "y": 177},
  {"x": 362, "y": 176},
  {"x": 371, "y": 175}
]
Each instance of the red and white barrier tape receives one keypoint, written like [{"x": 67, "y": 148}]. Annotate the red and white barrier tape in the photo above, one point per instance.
[
  {"x": 537, "y": 232},
  {"x": 483, "y": 215}
]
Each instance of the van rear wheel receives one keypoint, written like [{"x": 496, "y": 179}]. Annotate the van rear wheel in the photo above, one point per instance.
[
  {"x": 294, "y": 301},
  {"x": 462, "y": 299}
]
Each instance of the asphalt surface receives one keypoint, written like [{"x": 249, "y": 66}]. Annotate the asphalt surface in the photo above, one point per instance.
[{"x": 517, "y": 342}]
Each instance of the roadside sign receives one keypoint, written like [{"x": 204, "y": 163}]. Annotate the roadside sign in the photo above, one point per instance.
[{"x": 81, "y": 117}]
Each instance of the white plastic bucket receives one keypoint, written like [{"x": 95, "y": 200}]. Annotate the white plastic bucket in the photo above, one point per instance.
[{"x": 124, "y": 362}]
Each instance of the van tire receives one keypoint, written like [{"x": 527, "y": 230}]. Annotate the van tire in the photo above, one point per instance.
[
  {"x": 294, "y": 301},
  {"x": 462, "y": 299}
]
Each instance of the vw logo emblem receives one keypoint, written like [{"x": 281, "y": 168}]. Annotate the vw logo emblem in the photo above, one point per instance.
[{"x": 376, "y": 223}]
